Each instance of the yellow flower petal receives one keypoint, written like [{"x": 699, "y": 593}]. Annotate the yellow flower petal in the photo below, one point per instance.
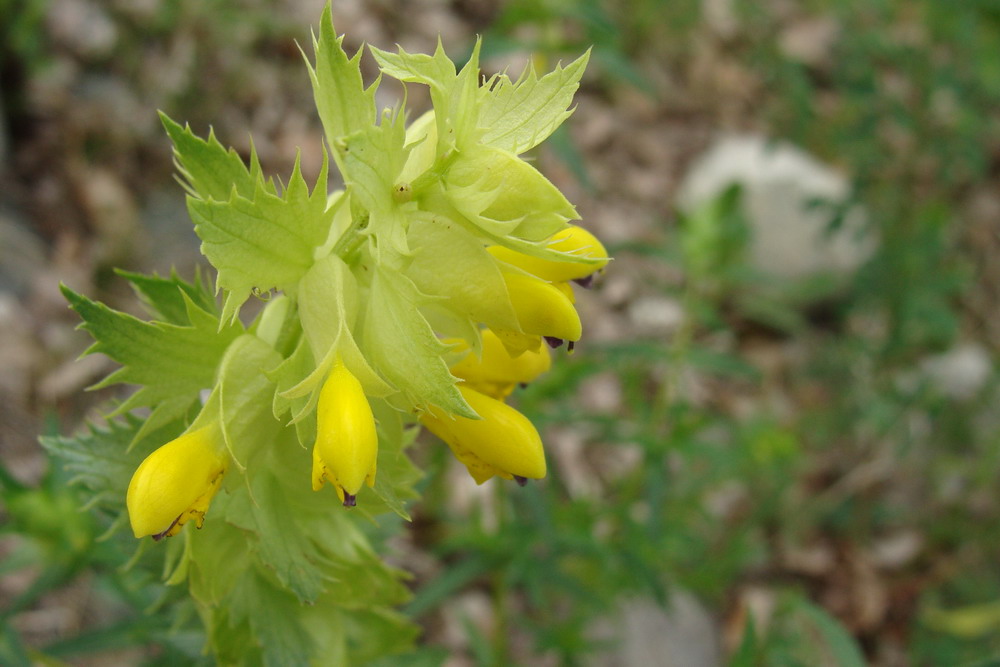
[
  {"x": 573, "y": 240},
  {"x": 504, "y": 442},
  {"x": 567, "y": 291},
  {"x": 346, "y": 446},
  {"x": 542, "y": 309},
  {"x": 497, "y": 372},
  {"x": 518, "y": 343},
  {"x": 176, "y": 483}
]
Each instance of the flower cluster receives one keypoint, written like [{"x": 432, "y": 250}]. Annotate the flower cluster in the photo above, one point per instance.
[
  {"x": 432, "y": 285},
  {"x": 424, "y": 292}
]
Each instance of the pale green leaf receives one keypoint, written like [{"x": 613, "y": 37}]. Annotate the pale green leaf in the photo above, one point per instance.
[
  {"x": 307, "y": 538},
  {"x": 266, "y": 501},
  {"x": 277, "y": 323},
  {"x": 400, "y": 343},
  {"x": 269, "y": 512},
  {"x": 164, "y": 298},
  {"x": 520, "y": 193},
  {"x": 456, "y": 96},
  {"x": 436, "y": 71},
  {"x": 328, "y": 307},
  {"x": 272, "y": 614},
  {"x": 396, "y": 472},
  {"x": 289, "y": 373},
  {"x": 171, "y": 363},
  {"x": 378, "y": 632},
  {"x": 470, "y": 201},
  {"x": 328, "y": 303},
  {"x": 209, "y": 170},
  {"x": 491, "y": 232},
  {"x": 451, "y": 263},
  {"x": 218, "y": 555},
  {"x": 464, "y": 101},
  {"x": 344, "y": 106},
  {"x": 245, "y": 396},
  {"x": 372, "y": 161},
  {"x": 421, "y": 141},
  {"x": 520, "y": 115},
  {"x": 449, "y": 323},
  {"x": 265, "y": 242}
]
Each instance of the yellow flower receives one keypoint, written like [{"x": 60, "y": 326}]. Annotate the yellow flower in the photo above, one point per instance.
[
  {"x": 573, "y": 240},
  {"x": 496, "y": 373},
  {"x": 176, "y": 483},
  {"x": 504, "y": 442},
  {"x": 542, "y": 309},
  {"x": 346, "y": 442}
]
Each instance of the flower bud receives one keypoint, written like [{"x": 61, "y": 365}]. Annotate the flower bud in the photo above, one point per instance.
[
  {"x": 542, "y": 309},
  {"x": 346, "y": 446},
  {"x": 176, "y": 483},
  {"x": 573, "y": 240},
  {"x": 504, "y": 442},
  {"x": 496, "y": 373}
]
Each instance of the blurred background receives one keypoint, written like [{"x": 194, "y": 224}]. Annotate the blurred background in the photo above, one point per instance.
[{"x": 778, "y": 442}]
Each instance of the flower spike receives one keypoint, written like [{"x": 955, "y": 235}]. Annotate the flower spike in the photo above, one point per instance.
[
  {"x": 346, "y": 445},
  {"x": 176, "y": 483}
]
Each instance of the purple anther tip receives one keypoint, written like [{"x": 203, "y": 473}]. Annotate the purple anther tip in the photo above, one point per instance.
[
  {"x": 553, "y": 341},
  {"x": 570, "y": 345},
  {"x": 522, "y": 385},
  {"x": 586, "y": 282},
  {"x": 521, "y": 481},
  {"x": 349, "y": 500},
  {"x": 160, "y": 536}
]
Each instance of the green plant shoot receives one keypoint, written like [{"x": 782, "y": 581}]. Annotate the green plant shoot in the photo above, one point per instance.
[{"x": 423, "y": 292}]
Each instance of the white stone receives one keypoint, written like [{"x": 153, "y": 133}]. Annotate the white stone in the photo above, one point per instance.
[
  {"x": 655, "y": 316},
  {"x": 682, "y": 635},
  {"x": 83, "y": 26},
  {"x": 781, "y": 184},
  {"x": 960, "y": 372}
]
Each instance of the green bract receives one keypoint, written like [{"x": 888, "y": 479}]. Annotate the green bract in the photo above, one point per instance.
[{"x": 366, "y": 284}]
